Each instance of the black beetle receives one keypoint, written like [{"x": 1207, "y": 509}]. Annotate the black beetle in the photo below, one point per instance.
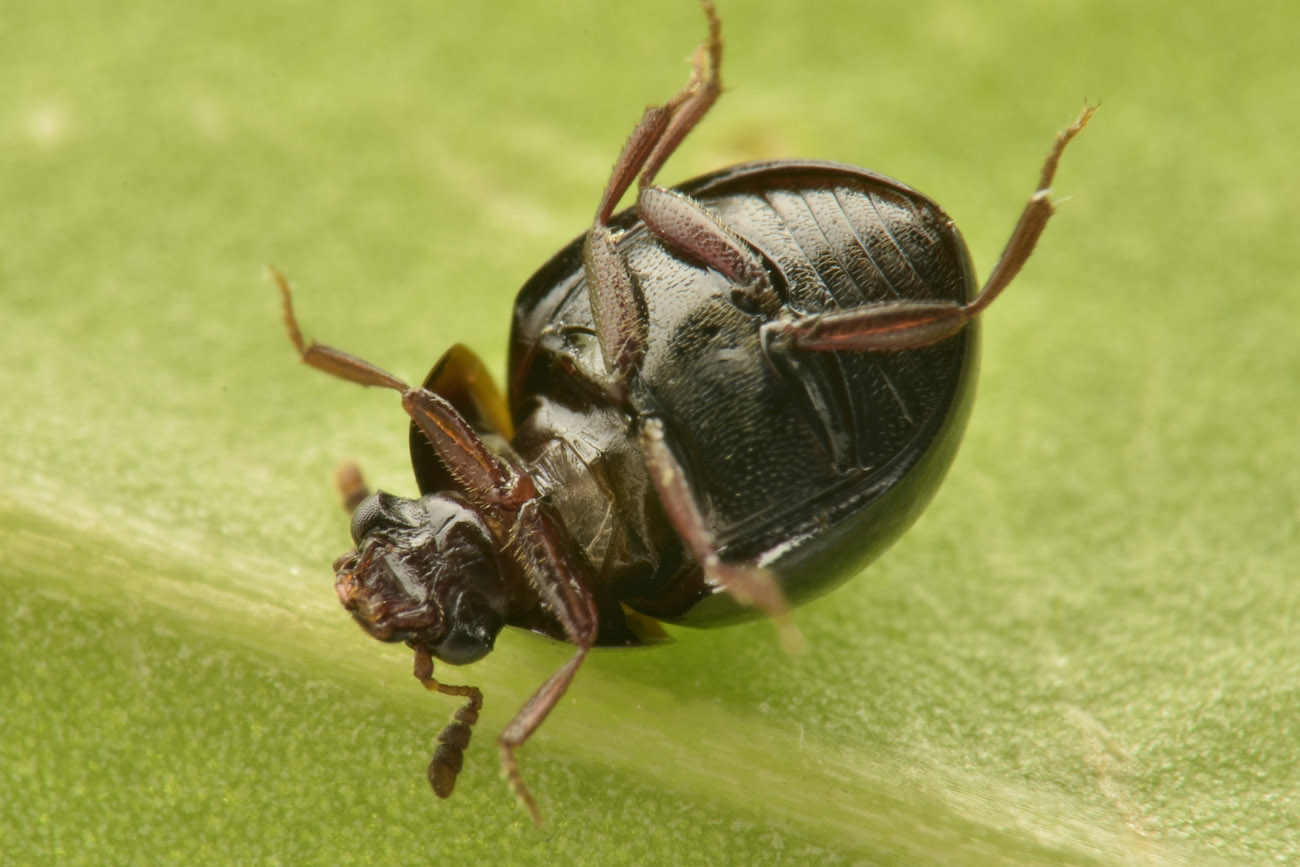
[{"x": 726, "y": 399}]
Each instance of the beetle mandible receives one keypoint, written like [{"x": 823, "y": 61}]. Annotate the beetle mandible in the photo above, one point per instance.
[{"x": 724, "y": 400}]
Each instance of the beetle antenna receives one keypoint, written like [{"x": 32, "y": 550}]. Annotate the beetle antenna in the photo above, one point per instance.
[
  {"x": 351, "y": 485},
  {"x": 449, "y": 757}
]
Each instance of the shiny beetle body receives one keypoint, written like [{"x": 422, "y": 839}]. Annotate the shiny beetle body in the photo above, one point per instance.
[
  {"x": 722, "y": 401},
  {"x": 810, "y": 466}
]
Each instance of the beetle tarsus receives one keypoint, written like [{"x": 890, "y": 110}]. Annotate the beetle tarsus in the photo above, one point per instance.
[
  {"x": 530, "y": 716},
  {"x": 1058, "y": 147},
  {"x": 1033, "y": 219},
  {"x": 757, "y": 587},
  {"x": 333, "y": 361},
  {"x": 515, "y": 780}
]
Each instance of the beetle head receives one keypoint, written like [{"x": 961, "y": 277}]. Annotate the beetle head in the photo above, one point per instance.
[{"x": 425, "y": 572}]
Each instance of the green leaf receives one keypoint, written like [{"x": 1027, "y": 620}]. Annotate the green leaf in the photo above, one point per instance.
[{"x": 1086, "y": 652}]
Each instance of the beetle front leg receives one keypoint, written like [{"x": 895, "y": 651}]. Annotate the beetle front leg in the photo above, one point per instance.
[
  {"x": 544, "y": 551},
  {"x": 484, "y": 476},
  {"x": 748, "y": 585},
  {"x": 896, "y": 325}
]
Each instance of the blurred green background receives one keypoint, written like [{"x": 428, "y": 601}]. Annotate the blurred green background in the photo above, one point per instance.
[{"x": 1085, "y": 652}]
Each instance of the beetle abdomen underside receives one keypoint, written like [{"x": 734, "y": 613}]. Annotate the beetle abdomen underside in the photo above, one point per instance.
[{"x": 785, "y": 445}]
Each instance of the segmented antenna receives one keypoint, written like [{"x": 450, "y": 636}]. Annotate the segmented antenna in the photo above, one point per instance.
[{"x": 449, "y": 756}]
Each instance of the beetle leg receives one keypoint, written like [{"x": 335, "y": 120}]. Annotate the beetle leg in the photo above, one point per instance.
[
  {"x": 333, "y": 361},
  {"x": 486, "y": 478},
  {"x": 690, "y": 106},
  {"x": 684, "y": 224},
  {"x": 618, "y": 309},
  {"x": 749, "y": 585},
  {"x": 663, "y": 127},
  {"x": 913, "y": 324},
  {"x": 545, "y": 553},
  {"x": 1033, "y": 219},
  {"x": 678, "y": 219},
  {"x": 617, "y": 306}
]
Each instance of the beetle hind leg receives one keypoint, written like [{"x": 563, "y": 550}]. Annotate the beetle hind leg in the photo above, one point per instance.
[{"x": 895, "y": 325}]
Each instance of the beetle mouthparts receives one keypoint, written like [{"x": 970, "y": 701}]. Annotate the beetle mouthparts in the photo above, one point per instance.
[{"x": 346, "y": 584}]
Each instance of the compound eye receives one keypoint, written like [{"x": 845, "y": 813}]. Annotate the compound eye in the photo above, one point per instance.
[
  {"x": 368, "y": 515},
  {"x": 381, "y": 511}
]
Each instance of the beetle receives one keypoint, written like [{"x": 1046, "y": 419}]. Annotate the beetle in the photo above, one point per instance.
[{"x": 722, "y": 402}]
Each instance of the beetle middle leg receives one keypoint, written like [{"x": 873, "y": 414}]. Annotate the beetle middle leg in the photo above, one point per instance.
[
  {"x": 896, "y": 325},
  {"x": 748, "y": 585},
  {"x": 616, "y": 303}
]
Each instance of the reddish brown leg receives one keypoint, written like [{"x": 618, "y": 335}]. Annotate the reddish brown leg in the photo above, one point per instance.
[
  {"x": 686, "y": 225},
  {"x": 912, "y": 324},
  {"x": 544, "y": 551},
  {"x": 485, "y": 477},
  {"x": 539, "y": 543},
  {"x": 749, "y": 585},
  {"x": 333, "y": 361},
  {"x": 617, "y": 306},
  {"x": 663, "y": 127},
  {"x": 528, "y": 720}
]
